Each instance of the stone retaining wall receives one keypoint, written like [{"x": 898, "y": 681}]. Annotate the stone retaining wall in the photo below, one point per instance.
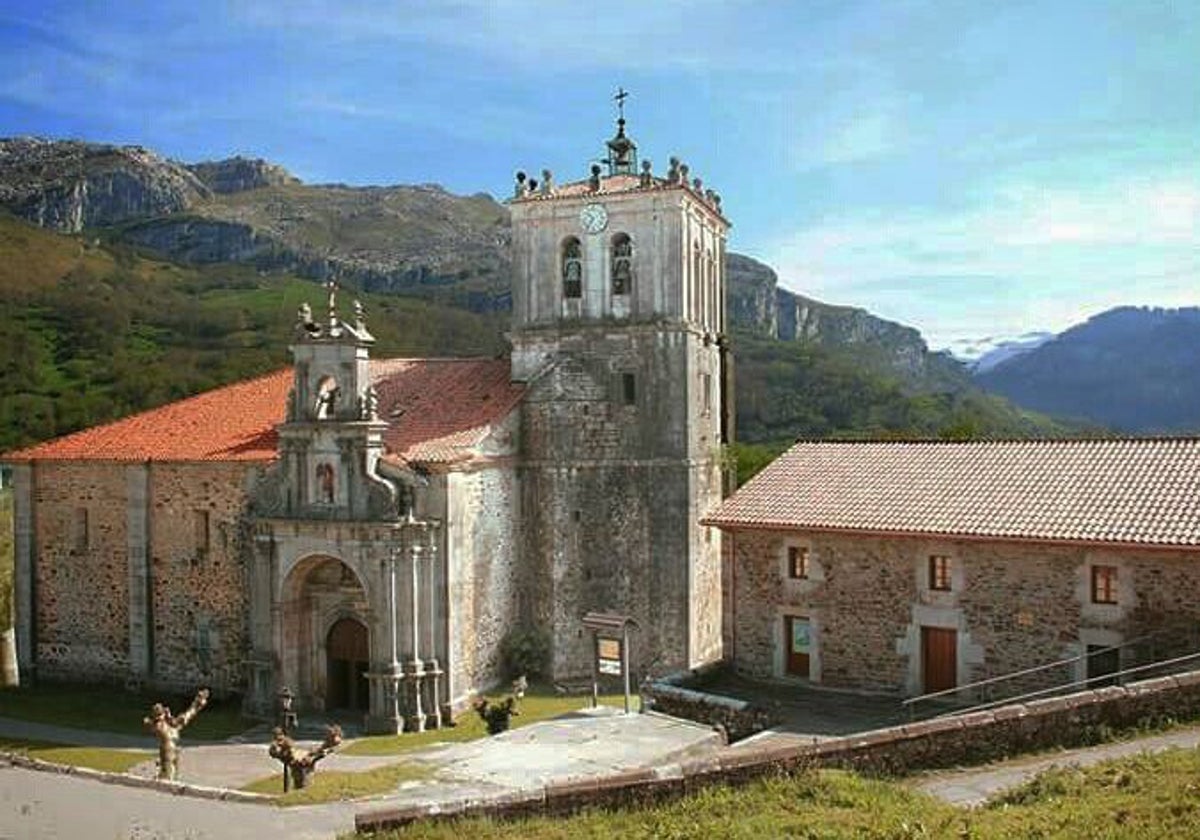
[
  {"x": 738, "y": 719},
  {"x": 1061, "y": 721}
]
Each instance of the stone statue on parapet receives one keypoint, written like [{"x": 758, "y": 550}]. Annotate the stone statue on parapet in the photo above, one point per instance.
[
  {"x": 299, "y": 764},
  {"x": 167, "y": 728}
]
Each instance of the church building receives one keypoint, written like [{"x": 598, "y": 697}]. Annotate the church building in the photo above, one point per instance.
[{"x": 367, "y": 532}]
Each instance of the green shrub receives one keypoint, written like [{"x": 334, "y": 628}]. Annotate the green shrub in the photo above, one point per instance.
[{"x": 525, "y": 651}]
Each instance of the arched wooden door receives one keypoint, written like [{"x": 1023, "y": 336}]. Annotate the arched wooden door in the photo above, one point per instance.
[{"x": 347, "y": 655}]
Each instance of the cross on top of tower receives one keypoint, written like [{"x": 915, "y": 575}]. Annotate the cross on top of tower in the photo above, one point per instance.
[
  {"x": 620, "y": 98},
  {"x": 622, "y": 152}
]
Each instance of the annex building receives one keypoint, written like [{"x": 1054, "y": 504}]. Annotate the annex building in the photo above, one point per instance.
[
  {"x": 918, "y": 567},
  {"x": 367, "y": 531}
]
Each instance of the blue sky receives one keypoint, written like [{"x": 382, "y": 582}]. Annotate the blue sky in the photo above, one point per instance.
[{"x": 971, "y": 168}]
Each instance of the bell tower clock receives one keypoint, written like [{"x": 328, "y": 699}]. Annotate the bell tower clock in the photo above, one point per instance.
[{"x": 619, "y": 330}]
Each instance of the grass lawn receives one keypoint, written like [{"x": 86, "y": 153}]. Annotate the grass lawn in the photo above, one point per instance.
[
  {"x": 111, "y": 710},
  {"x": 1149, "y": 796},
  {"x": 539, "y": 703},
  {"x": 112, "y": 761},
  {"x": 335, "y": 785}
]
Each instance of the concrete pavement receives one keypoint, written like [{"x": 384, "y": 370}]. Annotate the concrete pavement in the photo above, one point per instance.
[{"x": 37, "y": 804}]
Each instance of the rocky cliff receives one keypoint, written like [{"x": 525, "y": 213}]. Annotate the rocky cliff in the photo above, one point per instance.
[
  {"x": 69, "y": 186},
  {"x": 237, "y": 174}
]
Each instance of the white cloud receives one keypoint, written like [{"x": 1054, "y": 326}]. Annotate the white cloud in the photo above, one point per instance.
[{"x": 1025, "y": 257}]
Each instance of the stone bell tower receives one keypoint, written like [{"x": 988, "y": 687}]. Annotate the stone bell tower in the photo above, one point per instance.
[{"x": 619, "y": 331}]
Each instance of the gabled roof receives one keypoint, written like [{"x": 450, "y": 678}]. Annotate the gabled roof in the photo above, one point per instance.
[
  {"x": 438, "y": 410},
  {"x": 1110, "y": 491}
]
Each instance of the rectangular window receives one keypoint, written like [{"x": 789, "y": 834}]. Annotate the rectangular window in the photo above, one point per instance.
[
  {"x": 705, "y": 393},
  {"x": 939, "y": 572},
  {"x": 79, "y": 530},
  {"x": 200, "y": 533},
  {"x": 1104, "y": 584},
  {"x": 629, "y": 388},
  {"x": 797, "y": 562}
]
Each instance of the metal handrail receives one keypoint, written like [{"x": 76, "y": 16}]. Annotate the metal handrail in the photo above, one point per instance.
[
  {"x": 912, "y": 701},
  {"x": 983, "y": 707}
]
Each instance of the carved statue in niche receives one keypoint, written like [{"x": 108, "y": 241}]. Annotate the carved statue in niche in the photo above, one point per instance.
[
  {"x": 326, "y": 483},
  {"x": 326, "y": 403}
]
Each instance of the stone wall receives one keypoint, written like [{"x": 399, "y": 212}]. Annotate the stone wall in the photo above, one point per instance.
[
  {"x": 1062, "y": 721},
  {"x": 123, "y": 591},
  {"x": 1012, "y": 605},
  {"x": 483, "y": 514},
  {"x": 613, "y": 486},
  {"x": 198, "y": 554},
  {"x": 81, "y": 588}
]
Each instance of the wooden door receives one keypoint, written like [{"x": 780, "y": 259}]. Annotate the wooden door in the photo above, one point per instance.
[
  {"x": 347, "y": 657},
  {"x": 939, "y": 658},
  {"x": 797, "y": 643}
]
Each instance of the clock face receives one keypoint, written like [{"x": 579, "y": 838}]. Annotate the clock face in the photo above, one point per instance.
[{"x": 593, "y": 218}]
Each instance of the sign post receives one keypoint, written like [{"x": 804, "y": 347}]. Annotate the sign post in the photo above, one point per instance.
[{"x": 610, "y": 637}]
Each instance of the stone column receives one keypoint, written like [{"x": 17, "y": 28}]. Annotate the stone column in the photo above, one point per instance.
[
  {"x": 433, "y": 671},
  {"x": 25, "y": 588},
  {"x": 393, "y": 674},
  {"x": 414, "y": 666},
  {"x": 137, "y": 547}
]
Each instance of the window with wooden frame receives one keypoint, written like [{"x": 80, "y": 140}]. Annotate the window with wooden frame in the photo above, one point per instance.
[
  {"x": 797, "y": 562},
  {"x": 1104, "y": 584},
  {"x": 939, "y": 573}
]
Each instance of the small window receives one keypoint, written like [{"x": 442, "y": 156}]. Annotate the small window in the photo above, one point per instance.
[
  {"x": 939, "y": 572},
  {"x": 200, "y": 533},
  {"x": 79, "y": 530},
  {"x": 797, "y": 557},
  {"x": 629, "y": 388},
  {"x": 706, "y": 394},
  {"x": 1104, "y": 584},
  {"x": 572, "y": 268},
  {"x": 622, "y": 264}
]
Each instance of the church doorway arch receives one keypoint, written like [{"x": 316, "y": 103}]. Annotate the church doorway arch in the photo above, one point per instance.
[
  {"x": 325, "y": 635},
  {"x": 347, "y": 660}
]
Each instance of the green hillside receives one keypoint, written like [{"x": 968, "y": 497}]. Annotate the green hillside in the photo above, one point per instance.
[
  {"x": 787, "y": 390},
  {"x": 89, "y": 333}
]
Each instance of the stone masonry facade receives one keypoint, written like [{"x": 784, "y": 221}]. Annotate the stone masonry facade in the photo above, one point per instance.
[
  {"x": 1013, "y": 606},
  {"x": 137, "y": 571}
]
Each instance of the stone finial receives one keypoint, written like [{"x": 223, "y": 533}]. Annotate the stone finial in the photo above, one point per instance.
[
  {"x": 331, "y": 287},
  {"x": 533, "y": 185},
  {"x": 305, "y": 324},
  {"x": 646, "y": 178},
  {"x": 360, "y": 316},
  {"x": 547, "y": 182},
  {"x": 519, "y": 190},
  {"x": 683, "y": 174},
  {"x": 698, "y": 186},
  {"x": 673, "y": 172},
  {"x": 716, "y": 200},
  {"x": 594, "y": 181}
]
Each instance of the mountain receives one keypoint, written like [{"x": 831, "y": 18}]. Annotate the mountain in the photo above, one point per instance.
[
  {"x": 983, "y": 354},
  {"x": 1136, "y": 369},
  {"x": 758, "y": 307},
  {"x": 238, "y": 233}
]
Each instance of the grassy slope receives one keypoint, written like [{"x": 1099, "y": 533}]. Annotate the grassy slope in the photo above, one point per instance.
[
  {"x": 97, "y": 758},
  {"x": 90, "y": 333},
  {"x": 1143, "y": 797},
  {"x": 797, "y": 389}
]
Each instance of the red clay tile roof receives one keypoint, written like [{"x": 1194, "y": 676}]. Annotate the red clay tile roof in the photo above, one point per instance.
[
  {"x": 438, "y": 410},
  {"x": 233, "y": 423},
  {"x": 1120, "y": 491}
]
